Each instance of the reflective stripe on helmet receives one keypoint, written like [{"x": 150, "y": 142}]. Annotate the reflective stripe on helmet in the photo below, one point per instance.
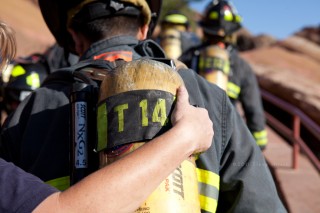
[
  {"x": 176, "y": 19},
  {"x": 61, "y": 183},
  {"x": 209, "y": 189},
  {"x": 238, "y": 19},
  {"x": 233, "y": 90},
  {"x": 261, "y": 137},
  {"x": 17, "y": 70},
  {"x": 214, "y": 15},
  {"x": 228, "y": 16},
  {"x": 33, "y": 80}
]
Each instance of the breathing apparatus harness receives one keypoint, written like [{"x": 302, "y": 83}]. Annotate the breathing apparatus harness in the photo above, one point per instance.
[{"x": 86, "y": 77}]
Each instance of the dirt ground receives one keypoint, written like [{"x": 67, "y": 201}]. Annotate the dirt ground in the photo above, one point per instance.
[{"x": 26, "y": 20}]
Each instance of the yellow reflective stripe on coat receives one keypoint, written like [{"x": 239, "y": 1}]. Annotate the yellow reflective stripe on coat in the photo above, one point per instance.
[
  {"x": 261, "y": 137},
  {"x": 209, "y": 189},
  {"x": 60, "y": 183},
  {"x": 233, "y": 90}
]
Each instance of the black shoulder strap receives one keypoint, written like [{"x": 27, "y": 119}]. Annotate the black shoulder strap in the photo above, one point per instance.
[
  {"x": 149, "y": 48},
  {"x": 191, "y": 83},
  {"x": 102, "y": 64},
  {"x": 72, "y": 74}
]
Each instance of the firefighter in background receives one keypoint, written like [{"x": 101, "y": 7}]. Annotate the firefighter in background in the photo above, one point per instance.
[
  {"x": 219, "y": 24},
  {"x": 214, "y": 65},
  {"x": 22, "y": 76},
  {"x": 175, "y": 36},
  {"x": 26, "y": 75}
]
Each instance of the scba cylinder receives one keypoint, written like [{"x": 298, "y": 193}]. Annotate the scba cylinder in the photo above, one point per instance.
[
  {"x": 214, "y": 65},
  {"x": 171, "y": 43},
  {"x": 135, "y": 103}
]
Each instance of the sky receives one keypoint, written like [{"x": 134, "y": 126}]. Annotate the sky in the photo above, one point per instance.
[{"x": 278, "y": 18}]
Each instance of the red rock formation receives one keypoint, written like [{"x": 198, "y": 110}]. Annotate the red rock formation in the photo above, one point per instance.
[
  {"x": 291, "y": 71},
  {"x": 310, "y": 33},
  {"x": 25, "y": 18}
]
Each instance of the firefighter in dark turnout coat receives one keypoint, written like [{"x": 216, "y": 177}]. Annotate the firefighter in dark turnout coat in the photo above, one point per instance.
[
  {"x": 175, "y": 36},
  {"x": 219, "y": 24},
  {"x": 36, "y": 137}
]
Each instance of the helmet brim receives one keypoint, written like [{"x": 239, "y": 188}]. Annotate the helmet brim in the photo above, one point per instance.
[
  {"x": 155, "y": 7},
  {"x": 209, "y": 30},
  {"x": 55, "y": 12},
  {"x": 55, "y": 15}
]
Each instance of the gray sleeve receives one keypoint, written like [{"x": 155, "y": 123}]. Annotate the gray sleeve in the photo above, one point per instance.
[
  {"x": 20, "y": 191},
  {"x": 246, "y": 183}
]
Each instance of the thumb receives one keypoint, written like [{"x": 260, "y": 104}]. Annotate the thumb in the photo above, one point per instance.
[
  {"x": 182, "y": 96},
  {"x": 181, "y": 105}
]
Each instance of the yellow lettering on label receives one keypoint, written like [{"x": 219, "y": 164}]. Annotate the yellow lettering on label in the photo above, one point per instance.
[
  {"x": 120, "y": 110},
  {"x": 159, "y": 112},
  {"x": 144, "y": 112}
]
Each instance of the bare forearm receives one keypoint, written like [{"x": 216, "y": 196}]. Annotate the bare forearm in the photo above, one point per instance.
[{"x": 126, "y": 183}]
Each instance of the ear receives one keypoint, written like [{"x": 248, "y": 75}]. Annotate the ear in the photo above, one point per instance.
[
  {"x": 143, "y": 32},
  {"x": 78, "y": 42}
]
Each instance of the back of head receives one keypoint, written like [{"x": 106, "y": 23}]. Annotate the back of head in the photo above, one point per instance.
[
  {"x": 59, "y": 15},
  {"x": 220, "y": 19}
]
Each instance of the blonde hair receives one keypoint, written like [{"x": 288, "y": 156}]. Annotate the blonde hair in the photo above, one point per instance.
[{"x": 7, "y": 45}]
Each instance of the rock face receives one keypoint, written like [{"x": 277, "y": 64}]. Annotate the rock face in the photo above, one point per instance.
[
  {"x": 311, "y": 34},
  {"x": 290, "y": 69},
  {"x": 26, "y": 20},
  {"x": 246, "y": 41}
]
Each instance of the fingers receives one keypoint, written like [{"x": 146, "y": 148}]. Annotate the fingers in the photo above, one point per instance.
[
  {"x": 195, "y": 122},
  {"x": 204, "y": 129}
]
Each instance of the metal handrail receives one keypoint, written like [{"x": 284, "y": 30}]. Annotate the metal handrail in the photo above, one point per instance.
[{"x": 293, "y": 134}]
